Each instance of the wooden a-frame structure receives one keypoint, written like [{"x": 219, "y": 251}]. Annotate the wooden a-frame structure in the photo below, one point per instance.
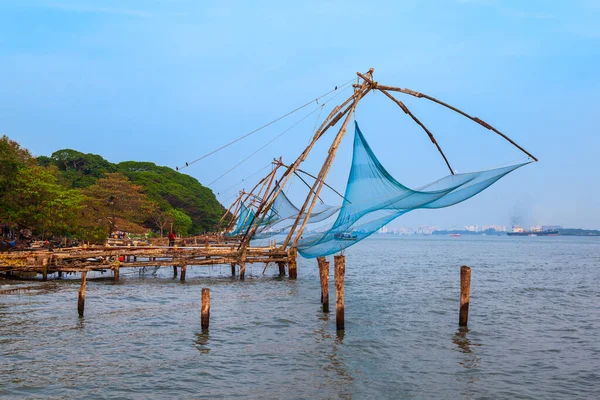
[{"x": 265, "y": 193}]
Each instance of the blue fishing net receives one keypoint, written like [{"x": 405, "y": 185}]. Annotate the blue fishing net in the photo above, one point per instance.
[{"x": 373, "y": 198}]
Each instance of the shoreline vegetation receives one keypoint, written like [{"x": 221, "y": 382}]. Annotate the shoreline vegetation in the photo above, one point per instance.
[{"x": 83, "y": 197}]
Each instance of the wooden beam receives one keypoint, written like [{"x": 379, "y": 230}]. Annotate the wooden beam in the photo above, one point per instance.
[{"x": 479, "y": 121}]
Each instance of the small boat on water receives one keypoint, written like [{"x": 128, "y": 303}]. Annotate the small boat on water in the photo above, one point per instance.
[
  {"x": 454, "y": 235},
  {"x": 345, "y": 236}
]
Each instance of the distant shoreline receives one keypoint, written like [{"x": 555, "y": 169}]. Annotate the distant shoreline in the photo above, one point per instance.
[{"x": 561, "y": 232}]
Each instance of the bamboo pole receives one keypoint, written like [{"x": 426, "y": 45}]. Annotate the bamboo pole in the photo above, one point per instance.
[
  {"x": 81, "y": 294},
  {"x": 414, "y": 118},
  {"x": 323, "y": 174},
  {"x": 475, "y": 119},
  {"x": 465, "y": 295},
  {"x": 242, "y": 270},
  {"x": 262, "y": 211},
  {"x": 205, "y": 309},
  {"x": 183, "y": 268}
]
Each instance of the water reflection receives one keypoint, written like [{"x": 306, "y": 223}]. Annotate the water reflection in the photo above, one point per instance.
[
  {"x": 465, "y": 346},
  {"x": 202, "y": 341},
  {"x": 335, "y": 361},
  {"x": 470, "y": 361}
]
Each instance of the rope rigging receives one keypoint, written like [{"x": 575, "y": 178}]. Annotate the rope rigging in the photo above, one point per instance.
[{"x": 187, "y": 164}]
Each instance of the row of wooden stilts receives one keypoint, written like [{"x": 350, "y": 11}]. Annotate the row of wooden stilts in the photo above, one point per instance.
[{"x": 339, "y": 273}]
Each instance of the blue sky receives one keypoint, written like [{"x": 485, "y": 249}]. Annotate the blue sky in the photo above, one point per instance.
[{"x": 168, "y": 81}]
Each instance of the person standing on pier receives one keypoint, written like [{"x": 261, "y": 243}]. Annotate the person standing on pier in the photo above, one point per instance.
[{"x": 172, "y": 239}]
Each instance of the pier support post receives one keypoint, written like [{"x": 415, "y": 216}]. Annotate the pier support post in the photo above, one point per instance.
[
  {"x": 324, "y": 275},
  {"x": 242, "y": 271},
  {"x": 174, "y": 271},
  {"x": 292, "y": 266},
  {"x": 340, "y": 269},
  {"x": 465, "y": 294},
  {"x": 232, "y": 269},
  {"x": 60, "y": 274},
  {"x": 116, "y": 271},
  {"x": 45, "y": 269},
  {"x": 81, "y": 297},
  {"x": 183, "y": 267},
  {"x": 281, "y": 268},
  {"x": 205, "y": 312}
]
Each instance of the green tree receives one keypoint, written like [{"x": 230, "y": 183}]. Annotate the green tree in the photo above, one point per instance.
[
  {"x": 38, "y": 202},
  {"x": 78, "y": 169},
  {"x": 181, "y": 222},
  {"x": 114, "y": 201}
]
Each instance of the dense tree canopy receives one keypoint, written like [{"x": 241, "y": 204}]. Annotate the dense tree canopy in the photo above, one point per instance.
[{"x": 77, "y": 194}]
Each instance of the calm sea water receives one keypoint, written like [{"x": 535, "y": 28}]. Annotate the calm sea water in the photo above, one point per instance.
[{"x": 534, "y": 328}]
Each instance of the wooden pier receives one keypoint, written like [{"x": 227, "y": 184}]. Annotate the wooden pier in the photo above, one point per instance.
[{"x": 83, "y": 259}]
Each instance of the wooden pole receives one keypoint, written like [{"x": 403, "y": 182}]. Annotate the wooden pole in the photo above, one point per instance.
[
  {"x": 116, "y": 272},
  {"x": 318, "y": 185},
  {"x": 264, "y": 208},
  {"x": 242, "y": 271},
  {"x": 292, "y": 265},
  {"x": 281, "y": 268},
  {"x": 340, "y": 269},
  {"x": 205, "y": 313},
  {"x": 232, "y": 269},
  {"x": 475, "y": 119},
  {"x": 183, "y": 267},
  {"x": 324, "y": 275},
  {"x": 45, "y": 269},
  {"x": 174, "y": 271},
  {"x": 81, "y": 297},
  {"x": 465, "y": 294}
]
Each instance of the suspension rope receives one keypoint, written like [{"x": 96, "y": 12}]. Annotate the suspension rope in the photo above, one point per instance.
[
  {"x": 248, "y": 177},
  {"x": 265, "y": 145},
  {"x": 264, "y": 126}
]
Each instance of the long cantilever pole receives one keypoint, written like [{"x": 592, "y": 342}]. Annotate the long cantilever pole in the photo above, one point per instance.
[
  {"x": 318, "y": 185},
  {"x": 479, "y": 121},
  {"x": 334, "y": 116},
  {"x": 407, "y": 111}
]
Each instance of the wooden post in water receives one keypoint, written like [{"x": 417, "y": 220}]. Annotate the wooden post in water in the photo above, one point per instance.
[
  {"x": 232, "y": 269},
  {"x": 281, "y": 265},
  {"x": 292, "y": 266},
  {"x": 242, "y": 271},
  {"x": 115, "y": 269},
  {"x": 465, "y": 294},
  {"x": 81, "y": 297},
  {"x": 339, "y": 263},
  {"x": 205, "y": 312},
  {"x": 45, "y": 269},
  {"x": 324, "y": 275},
  {"x": 174, "y": 271},
  {"x": 183, "y": 267}
]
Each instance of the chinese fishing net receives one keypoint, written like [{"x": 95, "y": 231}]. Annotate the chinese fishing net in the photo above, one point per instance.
[{"x": 373, "y": 198}]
